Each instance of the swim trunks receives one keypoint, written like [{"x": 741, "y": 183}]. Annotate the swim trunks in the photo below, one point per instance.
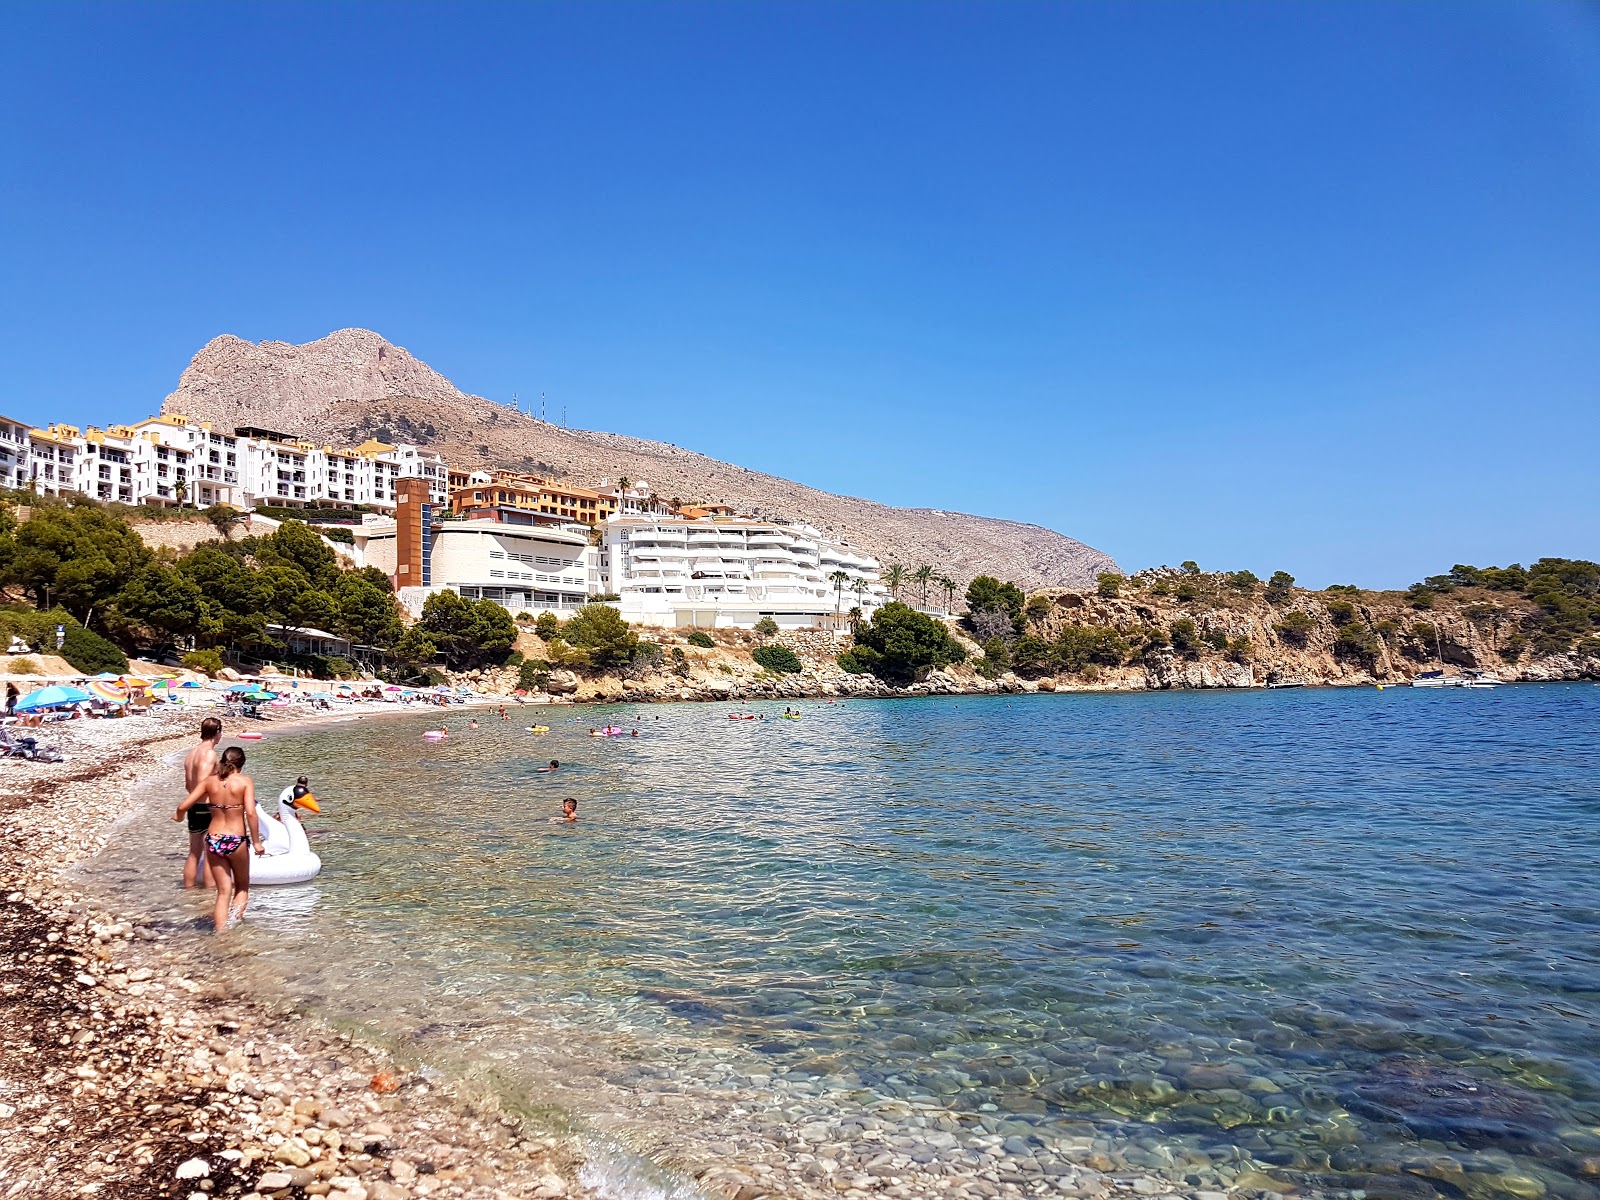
[
  {"x": 199, "y": 818},
  {"x": 224, "y": 843}
]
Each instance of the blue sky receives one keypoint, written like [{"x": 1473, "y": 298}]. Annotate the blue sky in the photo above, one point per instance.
[{"x": 1313, "y": 287}]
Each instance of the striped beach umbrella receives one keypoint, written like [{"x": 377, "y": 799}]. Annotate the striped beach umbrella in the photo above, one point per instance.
[{"x": 113, "y": 692}]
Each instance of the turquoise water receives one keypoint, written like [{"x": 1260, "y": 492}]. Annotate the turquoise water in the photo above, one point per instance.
[{"x": 1350, "y": 939}]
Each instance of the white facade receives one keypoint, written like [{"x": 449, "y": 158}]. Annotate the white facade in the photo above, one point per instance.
[
  {"x": 518, "y": 566},
  {"x": 15, "y": 468},
  {"x": 733, "y": 572}
]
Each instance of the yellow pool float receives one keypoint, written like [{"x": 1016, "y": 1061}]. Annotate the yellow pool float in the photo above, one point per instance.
[{"x": 538, "y": 729}]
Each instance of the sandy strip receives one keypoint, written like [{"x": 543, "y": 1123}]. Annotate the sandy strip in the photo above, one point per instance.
[{"x": 128, "y": 1072}]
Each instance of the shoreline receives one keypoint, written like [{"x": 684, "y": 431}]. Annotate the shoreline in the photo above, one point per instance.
[
  {"x": 128, "y": 1063},
  {"x": 129, "y": 1071}
]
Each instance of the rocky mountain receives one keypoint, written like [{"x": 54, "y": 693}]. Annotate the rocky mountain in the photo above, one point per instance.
[{"x": 353, "y": 384}]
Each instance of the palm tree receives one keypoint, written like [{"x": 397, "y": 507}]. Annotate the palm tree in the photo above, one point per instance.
[
  {"x": 949, "y": 586},
  {"x": 923, "y": 576},
  {"x": 858, "y": 586},
  {"x": 855, "y": 618},
  {"x": 838, "y": 579},
  {"x": 895, "y": 577}
]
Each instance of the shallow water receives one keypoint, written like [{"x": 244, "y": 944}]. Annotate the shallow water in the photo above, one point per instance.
[{"x": 1349, "y": 938}]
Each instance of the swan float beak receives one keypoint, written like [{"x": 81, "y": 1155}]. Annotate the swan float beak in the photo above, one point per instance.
[{"x": 308, "y": 802}]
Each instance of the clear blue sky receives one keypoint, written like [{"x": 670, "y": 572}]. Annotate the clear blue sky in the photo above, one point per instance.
[{"x": 1301, "y": 286}]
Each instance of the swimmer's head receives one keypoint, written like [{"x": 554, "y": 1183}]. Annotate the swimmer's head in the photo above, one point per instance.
[
  {"x": 554, "y": 764},
  {"x": 569, "y": 805}
]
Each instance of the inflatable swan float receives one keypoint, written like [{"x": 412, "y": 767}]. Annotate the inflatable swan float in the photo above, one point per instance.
[{"x": 288, "y": 858}]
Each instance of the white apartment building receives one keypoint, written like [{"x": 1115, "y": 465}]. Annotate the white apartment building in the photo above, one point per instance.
[
  {"x": 15, "y": 471},
  {"x": 731, "y": 572},
  {"x": 169, "y": 460}
]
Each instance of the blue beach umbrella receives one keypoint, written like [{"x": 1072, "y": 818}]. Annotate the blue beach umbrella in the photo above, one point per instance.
[
  {"x": 243, "y": 687},
  {"x": 108, "y": 677},
  {"x": 50, "y": 697}
]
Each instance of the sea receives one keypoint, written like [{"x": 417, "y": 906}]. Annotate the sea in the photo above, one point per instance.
[{"x": 1340, "y": 940}]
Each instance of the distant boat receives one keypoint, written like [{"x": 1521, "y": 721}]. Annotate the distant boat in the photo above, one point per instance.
[
  {"x": 1482, "y": 679},
  {"x": 1287, "y": 683}
]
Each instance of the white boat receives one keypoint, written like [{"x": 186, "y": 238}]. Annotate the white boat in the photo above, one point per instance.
[
  {"x": 1482, "y": 679},
  {"x": 289, "y": 858},
  {"x": 1436, "y": 679}
]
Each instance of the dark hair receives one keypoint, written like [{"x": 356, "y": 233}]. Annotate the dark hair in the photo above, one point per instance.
[
  {"x": 554, "y": 763},
  {"x": 210, "y": 729},
  {"x": 232, "y": 760},
  {"x": 569, "y": 800}
]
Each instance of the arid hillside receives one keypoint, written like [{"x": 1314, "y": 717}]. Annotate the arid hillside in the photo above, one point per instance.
[{"x": 352, "y": 385}]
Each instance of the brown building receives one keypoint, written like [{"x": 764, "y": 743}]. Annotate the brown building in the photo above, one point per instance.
[{"x": 413, "y": 534}]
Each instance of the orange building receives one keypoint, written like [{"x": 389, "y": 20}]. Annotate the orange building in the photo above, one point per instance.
[
  {"x": 413, "y": 534},
  {"x": 553, "y": 502}
]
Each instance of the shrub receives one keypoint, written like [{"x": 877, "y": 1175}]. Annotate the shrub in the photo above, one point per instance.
[
  {"x": 208, "y": 661},
  {"x": 1421, "y": 596},
  {"x": 1108, "y": 584},
  {"x": 1185, "y": 636},
  {"x": 1348, "y": 589},
  {"x": 996, "y": 658},
  {"x": 24, "y": 666},
  {"x": 1280, "y": 587},
  {"x": 988, "y": 594},
  {"x": 1215, "y": 638},
  {"x": 767, "y": 627},
  {"x": 680, "y": 661},
  {"x": 1295, "y": 628},
  {"x": 1387, "y": 630},
  {"x": 1080, "y": 646},
  {"x": 702, "y": 639},
  {"x": 778, "y": 659},
  {"x": 533, "y": 674},
  {"x": 1243, "y": 581},
  {"x": 547, "y": 625},
  {"x": 1187, "y": 589},
  {"x": 91, "y": 653},
  {"x": 1356, "y": 641},
  {"x": 1589, "y": 647},
  {"x": 1038, "y": 608},
  {"x": 1342, "y": 612},
  {"x": 1242, "y": 650},
  {"x": 1155, "y": 638},
  {"x": 1189, "y": 567},
  {"x": 1516, "y": 646}
]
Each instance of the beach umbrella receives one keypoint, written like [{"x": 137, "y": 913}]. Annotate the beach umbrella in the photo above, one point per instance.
[
  {"x": 243, "y": 687},
  {"x": 393, "y": 687},
  {"x": 134, "y": 681},
  {"x": 109, "y": 691},
  {"x": 50, "y": 697},
  {"x": 108, "y": 676},
  {"x": 408, "y": 691},
  {"x": 189, "y": 683},
  {"x": 260, "y": 695}
]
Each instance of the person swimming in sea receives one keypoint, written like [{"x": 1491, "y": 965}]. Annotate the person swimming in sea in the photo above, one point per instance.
[
  {"x": 473, "y": 724},
  {"x": 231, "y": 796},
  {"x": 569, "y": 812},
  {"x": 555, "y": 765}
]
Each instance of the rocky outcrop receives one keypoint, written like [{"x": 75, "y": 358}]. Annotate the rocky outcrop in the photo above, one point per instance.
[{"x": 353, "y": 384}]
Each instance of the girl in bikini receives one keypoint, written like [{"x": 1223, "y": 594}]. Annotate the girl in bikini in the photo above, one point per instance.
[{"x": 232, "y": 833}]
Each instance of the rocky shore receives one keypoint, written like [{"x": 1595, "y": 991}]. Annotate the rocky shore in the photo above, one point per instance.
[{"x": 130, "y": 1068}]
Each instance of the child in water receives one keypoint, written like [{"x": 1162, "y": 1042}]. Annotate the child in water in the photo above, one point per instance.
[{"x": 569, "y": 812}]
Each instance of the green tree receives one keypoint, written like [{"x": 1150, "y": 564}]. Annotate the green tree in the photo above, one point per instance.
[
  {"x": 207, "y": 661},
  {"x": 547, "y": 625},
  {"x": 924, "y": 576},
  {"x": 1280, "y": 587},
  {"x": 1295, "y": 628},
  {"x": 1032, "y": 655},
  {"x": 767, "y": 627},
  {"x": 364, "y": 611},
  {"x": 1185, "y": 636},
  {"x": 900, "y": 645},
  {"x": 469, "y": 633},
  {"x": 600, "y": 630},
  {"x": 78, "y": 555},
  {"x": 1189, "y": 567},
  {"x": 1242, "y": 581},
  {"x": 1037, "y": 608},
  {"x": 1108, "y": 584},
  {"x": 894, "y": 578},
  {"x": 165, "y": 601},
  {"x": 296, "y": 544},
  {"x": 988, "y": 594},
  {"x": 839, "y": 579},
  {"x": 1079, "y": 646},
  {"x": 1357, "y": 642}
]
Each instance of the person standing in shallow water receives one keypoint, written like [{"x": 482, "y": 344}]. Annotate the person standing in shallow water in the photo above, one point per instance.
[
  {"x": 231, "y": 795},
  {"x": 198, "y": 764}
]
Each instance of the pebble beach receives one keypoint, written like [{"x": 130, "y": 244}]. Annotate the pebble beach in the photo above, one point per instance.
[{"x": 130, "y": 1067}]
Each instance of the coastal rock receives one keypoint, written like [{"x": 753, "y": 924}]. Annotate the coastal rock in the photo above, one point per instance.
[{"x": 562, "y": 683}]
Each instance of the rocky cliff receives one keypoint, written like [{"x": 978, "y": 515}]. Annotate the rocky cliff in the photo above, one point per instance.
[
  {"x": 352, "y": 385},
  {"x": 1240, "y": 640}
]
